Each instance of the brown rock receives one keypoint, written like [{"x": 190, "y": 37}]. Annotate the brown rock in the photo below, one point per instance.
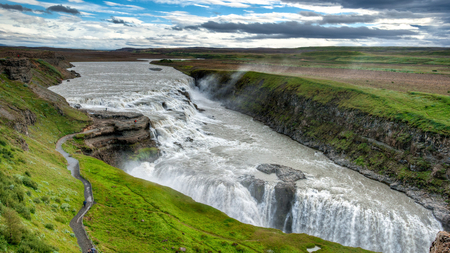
[
  {"x": 118, "y": 135},
  {"x": 441, "y": 244}
]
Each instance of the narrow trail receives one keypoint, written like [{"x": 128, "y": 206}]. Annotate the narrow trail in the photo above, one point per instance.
[{"x": 77, "y": 222}]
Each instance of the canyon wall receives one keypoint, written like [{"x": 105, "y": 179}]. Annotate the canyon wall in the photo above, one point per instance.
[{"x": 405, "y": 157}]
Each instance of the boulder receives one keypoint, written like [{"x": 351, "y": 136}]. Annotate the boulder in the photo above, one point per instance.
[
  {"x": 284, "y": 173},
  {"x": 441, "y": 244}
]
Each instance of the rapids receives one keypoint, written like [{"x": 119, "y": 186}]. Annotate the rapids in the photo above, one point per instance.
[{"x": 206, "y": 155}]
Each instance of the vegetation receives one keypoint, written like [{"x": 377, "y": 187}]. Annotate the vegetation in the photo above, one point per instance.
[
  {"x": 33, "y": 176},
  {"x": 134, "y": 215}
]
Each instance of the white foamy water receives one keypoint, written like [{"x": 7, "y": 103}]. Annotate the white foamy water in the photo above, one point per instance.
[{"x": 206, "y": 156}]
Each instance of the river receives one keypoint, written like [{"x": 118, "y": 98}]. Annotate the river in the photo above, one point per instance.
[{"x": 206, "y": 155}]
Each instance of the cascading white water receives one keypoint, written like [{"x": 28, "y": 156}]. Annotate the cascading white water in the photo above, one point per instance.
[{"x": 208, "y": 155}]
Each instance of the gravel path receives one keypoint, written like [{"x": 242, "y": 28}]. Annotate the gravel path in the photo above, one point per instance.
[{"x": 77, "y": 222}]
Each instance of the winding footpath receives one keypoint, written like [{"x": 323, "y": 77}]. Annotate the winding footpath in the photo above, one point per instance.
[{"x": 77, "y": 222}]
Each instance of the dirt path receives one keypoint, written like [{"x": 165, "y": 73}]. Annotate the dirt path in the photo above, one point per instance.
[{"x": 77, "y": 222}]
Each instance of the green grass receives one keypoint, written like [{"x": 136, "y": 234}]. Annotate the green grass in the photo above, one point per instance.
[
  {"x": 134, "y": 215},
  {"x": 428, "y": 112},
  {"x": 51, "y": 196}
]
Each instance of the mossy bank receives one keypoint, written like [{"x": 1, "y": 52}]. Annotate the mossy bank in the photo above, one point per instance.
[{"x": 401, "y": 139}]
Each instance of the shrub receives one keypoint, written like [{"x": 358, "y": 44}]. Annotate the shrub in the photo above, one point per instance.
[
  {"x": 57, "y": 200},
  {"x": 60, "y": 219},
  {"x": 65, "y": 207},
  {"x": 31, "y": 243},
  {"x": 44, "y": 199},
  {"x": 49, "y": 226},
  {"x": 29, "y": 183},
  {"x": 24, "y": 211},
  {"x": 13, "y": 231},
  {"x": 37, "y": 200},
  {"x": 27, "y": 173}
]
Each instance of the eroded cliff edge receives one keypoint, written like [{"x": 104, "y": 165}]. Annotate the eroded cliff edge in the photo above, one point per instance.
[
  {"x": 119, "y": 138},
  {"x": 392, "y": 150}
]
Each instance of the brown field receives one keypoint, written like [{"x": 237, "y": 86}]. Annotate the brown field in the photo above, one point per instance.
[{"x": 404, "y": 82}]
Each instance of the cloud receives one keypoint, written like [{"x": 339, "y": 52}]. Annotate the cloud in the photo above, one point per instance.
[
  {"x": 309, "y": 14},
  {"x": 292, "y": 29},
  {"x": 123, "y": 5},
  {"x": 66, "y": 9},
  {"x": 348, "y": 19},
  {"x": 15, "y": 7},
  {"x": 412, "y": 5},
  {"x": 126, "y": 21}
]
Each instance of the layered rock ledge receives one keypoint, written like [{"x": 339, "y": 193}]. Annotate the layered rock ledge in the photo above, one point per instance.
[{"x": 119, "y": 137}]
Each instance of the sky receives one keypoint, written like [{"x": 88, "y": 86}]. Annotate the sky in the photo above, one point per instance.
[{"x": 114, "y": 24}]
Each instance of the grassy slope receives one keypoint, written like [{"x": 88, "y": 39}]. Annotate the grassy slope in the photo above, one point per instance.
[
  {"x": 134, "y": 215},
  {"x": 46, "y": 166}
]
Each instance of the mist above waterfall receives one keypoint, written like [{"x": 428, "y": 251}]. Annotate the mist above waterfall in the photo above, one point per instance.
[{"x": 212, "y": 156}]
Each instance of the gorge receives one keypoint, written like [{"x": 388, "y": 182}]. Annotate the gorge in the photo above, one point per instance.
[{"x": 212, "y": 156}]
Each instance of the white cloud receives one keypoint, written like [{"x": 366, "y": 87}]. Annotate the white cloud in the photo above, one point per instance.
[
  {"x": 76, "y": 1},
  {"x": 135, "y": 7}
]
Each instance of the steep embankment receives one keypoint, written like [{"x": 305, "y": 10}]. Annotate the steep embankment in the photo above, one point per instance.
[
  {"x": 38, "y": 195},
  {"x": 401, "y": 139}
]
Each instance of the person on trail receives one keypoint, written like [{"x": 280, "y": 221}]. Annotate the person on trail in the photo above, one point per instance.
[
  {"x": 89, "y": 251},
  {"x": 93, "y": 250},
  {"x": 134, "y": 121},
  {"x": 84, "y": 203},
  {"x": 106, "y": 109}
]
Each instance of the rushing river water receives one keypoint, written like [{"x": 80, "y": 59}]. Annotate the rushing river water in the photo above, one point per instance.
[{"x": 206, "y": 155}]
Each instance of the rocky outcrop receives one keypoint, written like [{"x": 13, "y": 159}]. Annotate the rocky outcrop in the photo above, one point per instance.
[
  {"x": 284, "y": 173},
  {"x": 441, "y": 244},
  {"x": 17, "y": 69},
  {"x": 117, "y": 137},
  {"x": 381, "y": 149}
]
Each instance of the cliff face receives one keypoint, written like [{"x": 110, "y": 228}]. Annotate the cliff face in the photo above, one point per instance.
[
  {"x": 17, "y": 69},
  {"x": 120, "y": 137},
  {"x": 408, "y": 159}
]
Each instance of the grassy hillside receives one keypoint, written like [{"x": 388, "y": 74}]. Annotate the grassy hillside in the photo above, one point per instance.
[
  {"x": 38, "y": 196},
  {"x": 134, "y": 215}
]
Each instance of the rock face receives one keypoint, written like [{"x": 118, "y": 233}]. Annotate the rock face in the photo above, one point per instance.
[
  {"x": 287, "y": 174},
  {"x": 441, "y": 244},
  {"x": 284, "y": 194},
  {"x": 117, "y": 136},
  {"x": 18, "y": 69},
  {"x": 344, "y": 135}
]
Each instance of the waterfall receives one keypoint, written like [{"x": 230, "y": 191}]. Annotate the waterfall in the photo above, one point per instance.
[{"x": 212, "y": 157}]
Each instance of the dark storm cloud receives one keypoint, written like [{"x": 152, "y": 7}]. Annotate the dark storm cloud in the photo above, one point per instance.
[
  {"x": 348, "y": 19},
  {"x": 309, "y": 14},
  {"x": 412, "y": 5},
  {"x": 293, "y": 29},
  {"x": 60, "y": 8},
  {"x": 15, "y": 7},
  {"x": 354, "y": 18},
  {"x": 115, "y": 20}
]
